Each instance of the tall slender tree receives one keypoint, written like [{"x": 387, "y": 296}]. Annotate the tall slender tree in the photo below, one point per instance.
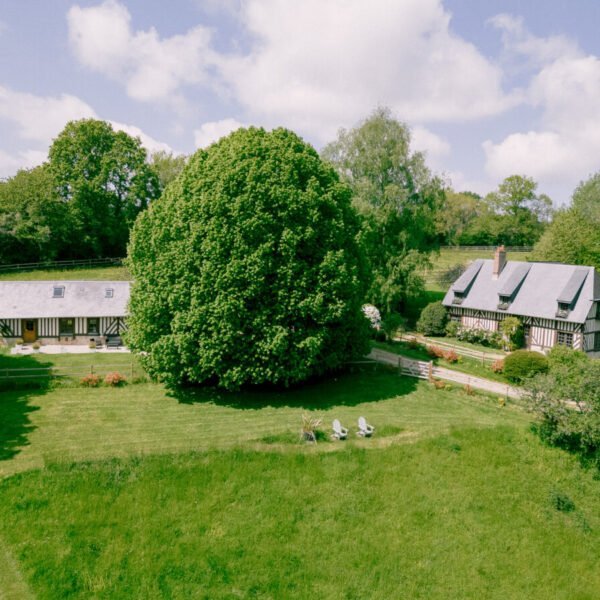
[{"x": 398, "y": 199}]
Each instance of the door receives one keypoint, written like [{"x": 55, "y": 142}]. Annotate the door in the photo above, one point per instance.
[{"x": 29, "y": 330}]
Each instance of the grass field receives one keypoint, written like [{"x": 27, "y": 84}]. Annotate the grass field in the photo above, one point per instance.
[
  {"x": 138, "y": 493},
  {"x": 93, "y": 273},
  {"x": 449, "y": 257},
  {"x": 32, "y": 370}
]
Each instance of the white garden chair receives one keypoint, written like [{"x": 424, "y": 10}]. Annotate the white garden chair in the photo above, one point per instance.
[
  {"x": 364, "y": 429},
  {"x": 339, "y": 432}
]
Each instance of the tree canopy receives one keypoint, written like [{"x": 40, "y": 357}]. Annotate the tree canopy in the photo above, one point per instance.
[
  {"x": 398, "y": 199},
  {"x": 167, "y": 166},
  {"x": 104, "y": 178},
  {"x": 247, "y": 270},
  {"x": 574, "y": 235},
  {"x": 34, "y": 222}
]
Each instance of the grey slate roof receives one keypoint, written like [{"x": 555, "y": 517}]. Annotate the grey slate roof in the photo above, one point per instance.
[
  {"x": 538, "y": 294},
  {"x": 34, "y": 299}
]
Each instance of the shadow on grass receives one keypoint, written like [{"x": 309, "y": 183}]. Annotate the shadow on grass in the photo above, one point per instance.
[
  {"x": 15, "y": 403},
  {"x": 354, "y": 386}
]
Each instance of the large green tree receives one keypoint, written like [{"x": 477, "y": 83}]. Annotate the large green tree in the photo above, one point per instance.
[
  {"x": 398, "y": 199},
  {"x": 514, "y": 214},
  {"x": 574, "y": 235},
  {"x": 34, "y": 222},
  {"x": 167, "y": 166},
  {"x": 104, "y": 178},
  {"x": 247, "y": 270}
]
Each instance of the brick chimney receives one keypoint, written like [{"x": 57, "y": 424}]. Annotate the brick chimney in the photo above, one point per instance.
[{"x": 499, "y": 261}]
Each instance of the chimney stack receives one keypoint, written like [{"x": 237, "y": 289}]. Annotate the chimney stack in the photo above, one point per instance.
[{"x": 499, "y": 261}]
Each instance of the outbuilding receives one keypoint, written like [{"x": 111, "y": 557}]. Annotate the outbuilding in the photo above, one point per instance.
[
  {"x": 557, "y": 303},
  {"x": 67, "y": 312}
]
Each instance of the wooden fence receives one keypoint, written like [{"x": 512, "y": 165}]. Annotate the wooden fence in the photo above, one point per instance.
[
  {"x": 479, "y": 355},
  {"x": 131, "y": 371},
  {"x": 488, "y": 248},
  {"x": 60, "y": 264}
]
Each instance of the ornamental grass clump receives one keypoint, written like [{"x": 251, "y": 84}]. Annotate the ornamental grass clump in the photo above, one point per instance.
[{"x": 310, "y": 428}]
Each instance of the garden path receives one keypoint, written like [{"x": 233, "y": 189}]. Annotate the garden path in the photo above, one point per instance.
[{"x": 422, "y": 369}]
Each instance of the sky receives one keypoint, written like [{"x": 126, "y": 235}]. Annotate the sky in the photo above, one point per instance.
[{"x": 488, "y": 88}]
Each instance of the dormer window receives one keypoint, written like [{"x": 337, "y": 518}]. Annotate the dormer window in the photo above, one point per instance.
[
  {"x": 458, "y": 298},
  {"x": 504, "y": 303},
  {"x": 109, "y": 292},
  {"x": 563, "y": 310},
  {"x": 58, "y": 291}
]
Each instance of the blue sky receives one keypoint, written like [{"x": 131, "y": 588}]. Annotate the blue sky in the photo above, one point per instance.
[{"x": 489, "y": 88}]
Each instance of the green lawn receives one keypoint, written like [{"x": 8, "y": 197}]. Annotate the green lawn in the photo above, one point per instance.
[
  {"x": 448, "y": 257},
  {"x": 70, "y": 367},
  {"x": 139, "y": 493},
  {"x": 94, "y": 273}
]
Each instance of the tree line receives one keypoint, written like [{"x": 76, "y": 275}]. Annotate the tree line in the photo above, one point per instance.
[{"x": 83, "y": 201}]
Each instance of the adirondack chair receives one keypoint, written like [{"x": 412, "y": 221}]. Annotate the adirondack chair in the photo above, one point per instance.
[
  {"x": 364, "y": 429},
  {"x": 339, "y": 432}
]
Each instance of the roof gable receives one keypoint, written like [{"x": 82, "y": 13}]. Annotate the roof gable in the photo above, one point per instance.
[
  {"x": 40, "y": 299},
  {"x": 536, "y": 289}
]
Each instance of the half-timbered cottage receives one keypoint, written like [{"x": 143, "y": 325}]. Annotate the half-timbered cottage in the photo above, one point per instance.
[
  {"x": 76, "y": 312},
  {"x": 558, "y": 304}
]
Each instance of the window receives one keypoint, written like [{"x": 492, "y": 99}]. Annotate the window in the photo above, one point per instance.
[
  {"x": 66, "y": 326},
  {"x": 597, "y": 310},
  {"x": 563, "y": 310},
  {"x": 458, "y": 298},
  {"x": 93, "y": 326},
  {"x": 564, "y": 339},
  {"x": 58, "y": 291},
  {"x": 597, "y": 341},
  {"x": 109, "y": 292},
  {"x": 504, "y": 302}
]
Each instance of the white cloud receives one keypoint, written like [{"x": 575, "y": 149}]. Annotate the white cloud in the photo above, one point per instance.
[
  {"x": 565, "y": 147},
  {"x": 10, "y": 164},
  {"x": 40, "y": 118},
  {"x": 214, "y": 130},
  {"x": 151, "y": 68},
  {"x": 148, "y": 142},
  {"x": 426, "y": 141},
  {"x": 563, "y": 150},
  {"x": 317, "y": 65},
  {"x": 519, "y": 42}
]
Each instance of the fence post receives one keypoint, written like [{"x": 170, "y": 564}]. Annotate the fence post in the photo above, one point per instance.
[
  {"x": 483, "y": 359},
  {"x": 430, "y": 370},
  {"x": 399, "y": 365}
]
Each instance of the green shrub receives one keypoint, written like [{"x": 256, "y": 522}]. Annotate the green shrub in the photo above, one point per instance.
[
  {"x": 452, "y": 328},
  {"x": 512, "y": 331},
  {"x": 433, "y": 319},
  {"x": 36, "y": 346},
  {"x": 483, "y": 337},
  {"x": 392, "y": 325},
  {"x": 522, "y": 364},
  {"x": 561, "y": 502}
]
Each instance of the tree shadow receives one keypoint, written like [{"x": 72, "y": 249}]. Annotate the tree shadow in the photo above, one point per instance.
[
  {"x": 353, "y": 386},
  {"x": 16, "y": 394}
]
